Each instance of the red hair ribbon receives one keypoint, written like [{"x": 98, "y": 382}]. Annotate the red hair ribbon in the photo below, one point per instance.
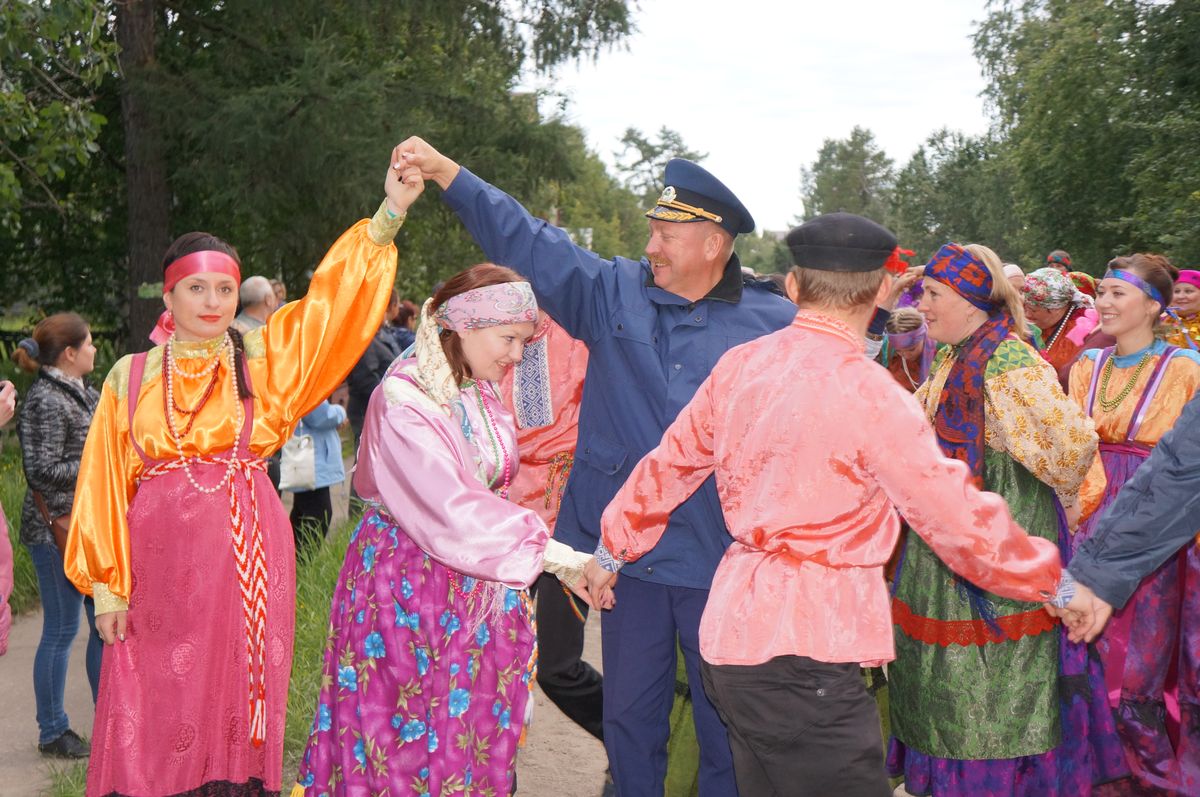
[{"x": 895, "y": 264}]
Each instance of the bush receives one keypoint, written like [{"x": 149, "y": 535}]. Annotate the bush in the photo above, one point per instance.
[{"x": 12, "y": 494}]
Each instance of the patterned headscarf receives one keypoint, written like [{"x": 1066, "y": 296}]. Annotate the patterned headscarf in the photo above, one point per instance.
[
  {"x": 1049, "y": 288},
  {"x": 1084, "y": 283},
  {"x": 489, "y": 306},
  {"x": 964, "y": 273}
]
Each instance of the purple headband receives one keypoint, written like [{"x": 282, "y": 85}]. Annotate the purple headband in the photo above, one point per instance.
[
  {"x": 1137, "y": 282},
  {"x": 902, "y": 340},
  {"x": 490, "y": 306},
  {"x": 965, "y": 273}
]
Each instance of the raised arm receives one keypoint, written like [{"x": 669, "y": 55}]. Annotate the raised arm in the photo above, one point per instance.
[
  {"x": 571, "y": 283},
  {"x": 970, "y": 530},
  {"x": 311, "y": 344}
]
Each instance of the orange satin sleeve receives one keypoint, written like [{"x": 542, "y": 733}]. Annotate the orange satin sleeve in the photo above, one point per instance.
[
  {"x": 308, "y": 347},
  {"x": 97, "y": 550}
]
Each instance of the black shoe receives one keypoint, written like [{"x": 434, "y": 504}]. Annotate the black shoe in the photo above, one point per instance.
[{"x": 69, "y": 745}]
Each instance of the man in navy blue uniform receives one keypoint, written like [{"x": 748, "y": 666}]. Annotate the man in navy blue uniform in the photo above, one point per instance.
[{"x": 654, "y": 329}]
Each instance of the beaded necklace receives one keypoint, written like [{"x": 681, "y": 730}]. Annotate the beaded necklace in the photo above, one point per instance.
[
  {"x": 1108, "y": 405},
  {"x": 170, "y": 369},
  {"x": 1061, "y": 326},
  {"x": 499, "y": 450},
  {"x": 907, "y": 373}
]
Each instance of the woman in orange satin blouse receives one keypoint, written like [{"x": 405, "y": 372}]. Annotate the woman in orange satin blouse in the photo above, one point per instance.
[{"x": 177, "y": 531}]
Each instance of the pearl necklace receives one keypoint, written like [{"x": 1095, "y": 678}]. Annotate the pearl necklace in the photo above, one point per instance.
[
  {"x": 499, "y": 450},
  {"x": 1061, "y": 326},
  {"x": 907, "y": 373},
  {"x": 239, "y": 414}
]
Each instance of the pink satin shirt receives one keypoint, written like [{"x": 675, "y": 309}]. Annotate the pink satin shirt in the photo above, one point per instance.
[{"x": 815, "y": 448}]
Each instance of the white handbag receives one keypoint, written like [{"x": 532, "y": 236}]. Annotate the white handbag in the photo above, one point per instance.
[{"x": 298, "y": 464}]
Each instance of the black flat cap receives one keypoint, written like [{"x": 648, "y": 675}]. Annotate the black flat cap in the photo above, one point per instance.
[{"x": 841, "y": 242}]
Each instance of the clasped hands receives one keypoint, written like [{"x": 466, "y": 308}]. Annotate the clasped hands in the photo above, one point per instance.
[
  {"x": 595, "y": 586},
  {"x": 1085, "y": 616}
]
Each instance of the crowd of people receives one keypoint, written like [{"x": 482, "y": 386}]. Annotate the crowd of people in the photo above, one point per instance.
[{"x": 980, "y": 478}]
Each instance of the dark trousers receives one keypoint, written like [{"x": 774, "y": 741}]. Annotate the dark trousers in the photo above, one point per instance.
[
  {"x": 570, "y": 682},
  {"x": 638, "y": 637},
  {"x": 312, "y": 511},
  {"x": 800, "y": 728}
]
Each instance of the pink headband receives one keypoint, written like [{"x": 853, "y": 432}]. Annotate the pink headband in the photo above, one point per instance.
[
  {"x": 1190, "y": 277},
  {"x": 490, "y": 306},
  {"x": 204, "y": 261}
]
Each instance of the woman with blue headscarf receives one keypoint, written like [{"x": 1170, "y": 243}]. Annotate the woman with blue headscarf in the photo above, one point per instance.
[{"x": 975, "y": 688}]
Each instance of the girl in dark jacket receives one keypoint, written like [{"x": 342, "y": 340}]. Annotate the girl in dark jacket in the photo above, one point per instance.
[{"x": 52, "y": 425}]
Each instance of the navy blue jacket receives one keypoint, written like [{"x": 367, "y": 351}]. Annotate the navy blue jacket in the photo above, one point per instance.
[
  {"x": 649, "y": 351},
  {"x": 1155, "y": 514}
]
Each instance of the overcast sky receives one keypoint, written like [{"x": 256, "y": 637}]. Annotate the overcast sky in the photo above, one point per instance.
[{"x": 760, "y": 85}]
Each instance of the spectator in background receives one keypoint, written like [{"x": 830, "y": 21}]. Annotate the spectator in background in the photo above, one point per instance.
[
  {"x": 257, "y": 297},
  {"x": 1015, "y": 275},
  {"x": 280, "y": 292},
  {"x": 368, "y": 372},
  {"x": 404, "y": 325},
  {"x": 52, "y": 427},
  {"x": 8, "y": 406},
  {"x": 1059, "y": 259},
  {"x": 312, "y": 509}
]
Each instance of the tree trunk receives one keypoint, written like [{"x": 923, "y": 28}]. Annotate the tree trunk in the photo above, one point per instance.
[{"x": 147, "y": 192}]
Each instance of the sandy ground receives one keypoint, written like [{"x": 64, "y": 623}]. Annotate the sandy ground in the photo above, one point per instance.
[{"x": 558, "y": 759}]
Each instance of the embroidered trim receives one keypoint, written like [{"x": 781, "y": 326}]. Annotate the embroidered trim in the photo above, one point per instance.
[
  {"x": 970, "y": 632},
  {"x": 531, "y": 387}
]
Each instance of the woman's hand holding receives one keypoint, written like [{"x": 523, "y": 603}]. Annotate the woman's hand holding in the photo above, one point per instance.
[
  {"x": 111, "y": 626},
  {"x": 403, "y": 184}
]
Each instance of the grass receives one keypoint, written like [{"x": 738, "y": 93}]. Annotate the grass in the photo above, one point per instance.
[
  {"x": 316, "y": 577},
  {"x": 12, "y": 494}
]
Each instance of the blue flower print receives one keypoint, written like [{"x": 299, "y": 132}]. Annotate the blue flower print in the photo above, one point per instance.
[
  {"x": 510, "y": 600},
  {"x": 468, "y": 584},
  {"x": 307, "y": 780},
  {"x": 505, "y": 718},
  {"x": 348, "y": 678},
  {"x": 357, "y": 529},
  {"x": 454, "y": 668},
  {"x": 450, "y": 622},
  {"x": 362, "y": 615},
  {"x": 460, "y": 700},
  {"x": 482, "y": 635},
  {"x": 424, "y": 772},
  {"x": 433, "y": 740},
  {"x": 422, "y": 657},
  {"x": 369, "y": 558},
  {"x": 373, "y": 646},
  {"x": 496, "y": 708},
  {"x": 468, "y": 776},
  {"x": 406, "y": 590},
  {"x": 412, "y": 730},
  {"x": 324, "y": 718},
  {"x": 360, "y": 755},
  {"x": 414, "y": 621}
]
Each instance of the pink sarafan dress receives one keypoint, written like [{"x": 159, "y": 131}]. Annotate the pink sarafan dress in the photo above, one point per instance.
[{"x": 430, "y": 654}]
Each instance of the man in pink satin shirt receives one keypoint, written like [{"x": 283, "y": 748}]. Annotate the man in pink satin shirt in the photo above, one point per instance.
[{"x": 815, "y": 448}]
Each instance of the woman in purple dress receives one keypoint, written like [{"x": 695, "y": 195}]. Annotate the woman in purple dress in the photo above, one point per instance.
[{"x": 430, "y": 655}]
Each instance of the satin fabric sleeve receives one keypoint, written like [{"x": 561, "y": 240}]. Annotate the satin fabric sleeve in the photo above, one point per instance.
[
  {"x": 310, "y": 345},
  {"x": 1091, "y": 492},
  {"x": 96, "y": 559},
  {"x": 970, "y": 530},
  {"x": 637, "y": 517},
  {"x": 426, "y": 484},
  {"x": 1039, "y": 426},
  {"x": 1155, "y": 514}
]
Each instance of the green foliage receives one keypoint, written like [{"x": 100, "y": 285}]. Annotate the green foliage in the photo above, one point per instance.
[
  {"x": 67, "y": 779},
  {"x": 12, "y": 494},
  {"x": 851, "y": 174},
  {"x": 763, "y": 253},
  {"x": 642, "y": 160}
]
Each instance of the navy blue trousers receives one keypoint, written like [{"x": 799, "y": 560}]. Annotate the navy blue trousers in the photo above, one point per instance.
[{"x": 638, "y": 637}]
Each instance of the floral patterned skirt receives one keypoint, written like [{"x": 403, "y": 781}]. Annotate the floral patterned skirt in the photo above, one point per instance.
[{"x": 427, "y": 676}]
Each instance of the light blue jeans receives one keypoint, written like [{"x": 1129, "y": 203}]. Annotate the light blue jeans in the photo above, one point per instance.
[{"x": 60, "y": 623}]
